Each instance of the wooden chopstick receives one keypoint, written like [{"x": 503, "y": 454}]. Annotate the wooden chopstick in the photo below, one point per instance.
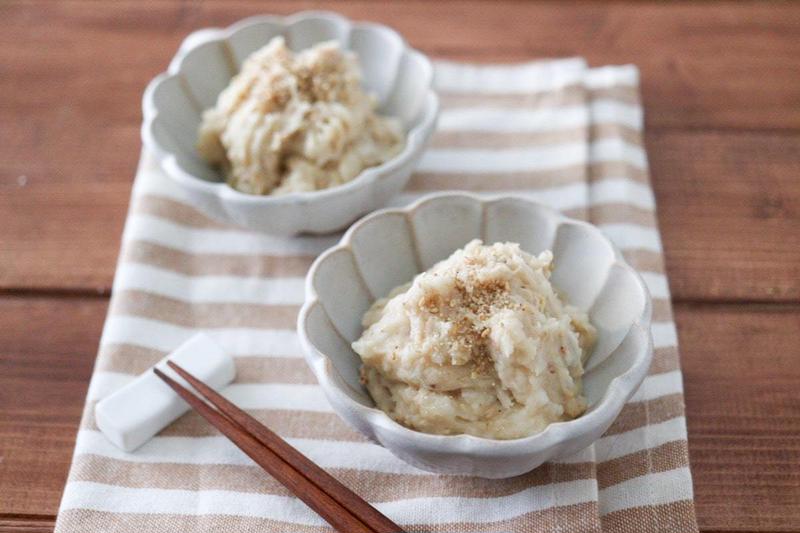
[
  {"x": 335, "y": 489},
  {"x": 338, "y": 505},
  {"x": 341, "y": 519}
]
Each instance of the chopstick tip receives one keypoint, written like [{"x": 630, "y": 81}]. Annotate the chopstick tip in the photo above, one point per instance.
[{"x": 164, "y": 377}]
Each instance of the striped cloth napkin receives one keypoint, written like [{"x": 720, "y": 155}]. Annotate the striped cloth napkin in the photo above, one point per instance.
[{"x": 555, "y": 131}]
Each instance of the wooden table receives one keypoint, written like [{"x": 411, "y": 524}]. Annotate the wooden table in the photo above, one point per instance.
[{"x": 721, "y": 87}]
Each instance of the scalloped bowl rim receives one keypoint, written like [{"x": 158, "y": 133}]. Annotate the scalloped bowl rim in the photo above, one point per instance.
[
  {"x": 620, "y": 389},
  {"x": 415, "y": 137}
]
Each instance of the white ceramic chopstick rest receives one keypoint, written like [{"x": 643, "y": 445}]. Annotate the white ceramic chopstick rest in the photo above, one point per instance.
[{"x": 132, "y": 415}]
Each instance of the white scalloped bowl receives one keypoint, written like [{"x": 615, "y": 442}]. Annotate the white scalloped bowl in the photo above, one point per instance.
[
  {"x": 389, "y": 247},
  {"x": 400, "y": 77}
]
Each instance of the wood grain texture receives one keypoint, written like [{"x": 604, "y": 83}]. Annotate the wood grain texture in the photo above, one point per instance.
[
  {"x": 62, "y": 237},
  {"x": 722, "y": 103},
  {"x": 701, "y": 64},
  {"x": 729, "y": 211},
  {"x": 70, "y": 81},
  {"x": 24, "y": 524},
  {"x": 47, "y": 350},
  {"x": 741, "y": 377}
]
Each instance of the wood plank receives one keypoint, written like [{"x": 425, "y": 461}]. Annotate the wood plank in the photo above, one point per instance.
[
  {"x": 80, "y": 86},
  {"x": 741, "y": 380},
  {"x": 61, "y": 236},
  {"x": 701, "y": 64},
  {"x": 47, "y": 350},
  {"x": 729, "y": 213},
  {"x": 27, "y": 525},
  {"x": 741, "y": 377},
  {"x": 728, "y": 206}
]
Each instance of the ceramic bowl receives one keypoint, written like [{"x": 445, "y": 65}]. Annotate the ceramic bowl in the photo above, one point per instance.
[
  {"x": 389, "y": 247},
  {"x": 400, "y": 78}
]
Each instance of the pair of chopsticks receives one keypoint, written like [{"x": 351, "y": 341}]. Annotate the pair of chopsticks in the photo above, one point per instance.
[{"x": 339, "y": 506}]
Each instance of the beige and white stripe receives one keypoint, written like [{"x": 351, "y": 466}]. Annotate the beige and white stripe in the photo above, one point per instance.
[{"x": 554, "y": 131}]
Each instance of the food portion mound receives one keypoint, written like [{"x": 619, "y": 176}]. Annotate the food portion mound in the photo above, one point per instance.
[
  {"x": 296, "y": 122},
  {"x": 479, "y": 344}
]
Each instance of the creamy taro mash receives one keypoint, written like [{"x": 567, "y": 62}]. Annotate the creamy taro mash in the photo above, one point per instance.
[
  {"x": 293, "y": 122},
  {"x": 479, "y": 344}
]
